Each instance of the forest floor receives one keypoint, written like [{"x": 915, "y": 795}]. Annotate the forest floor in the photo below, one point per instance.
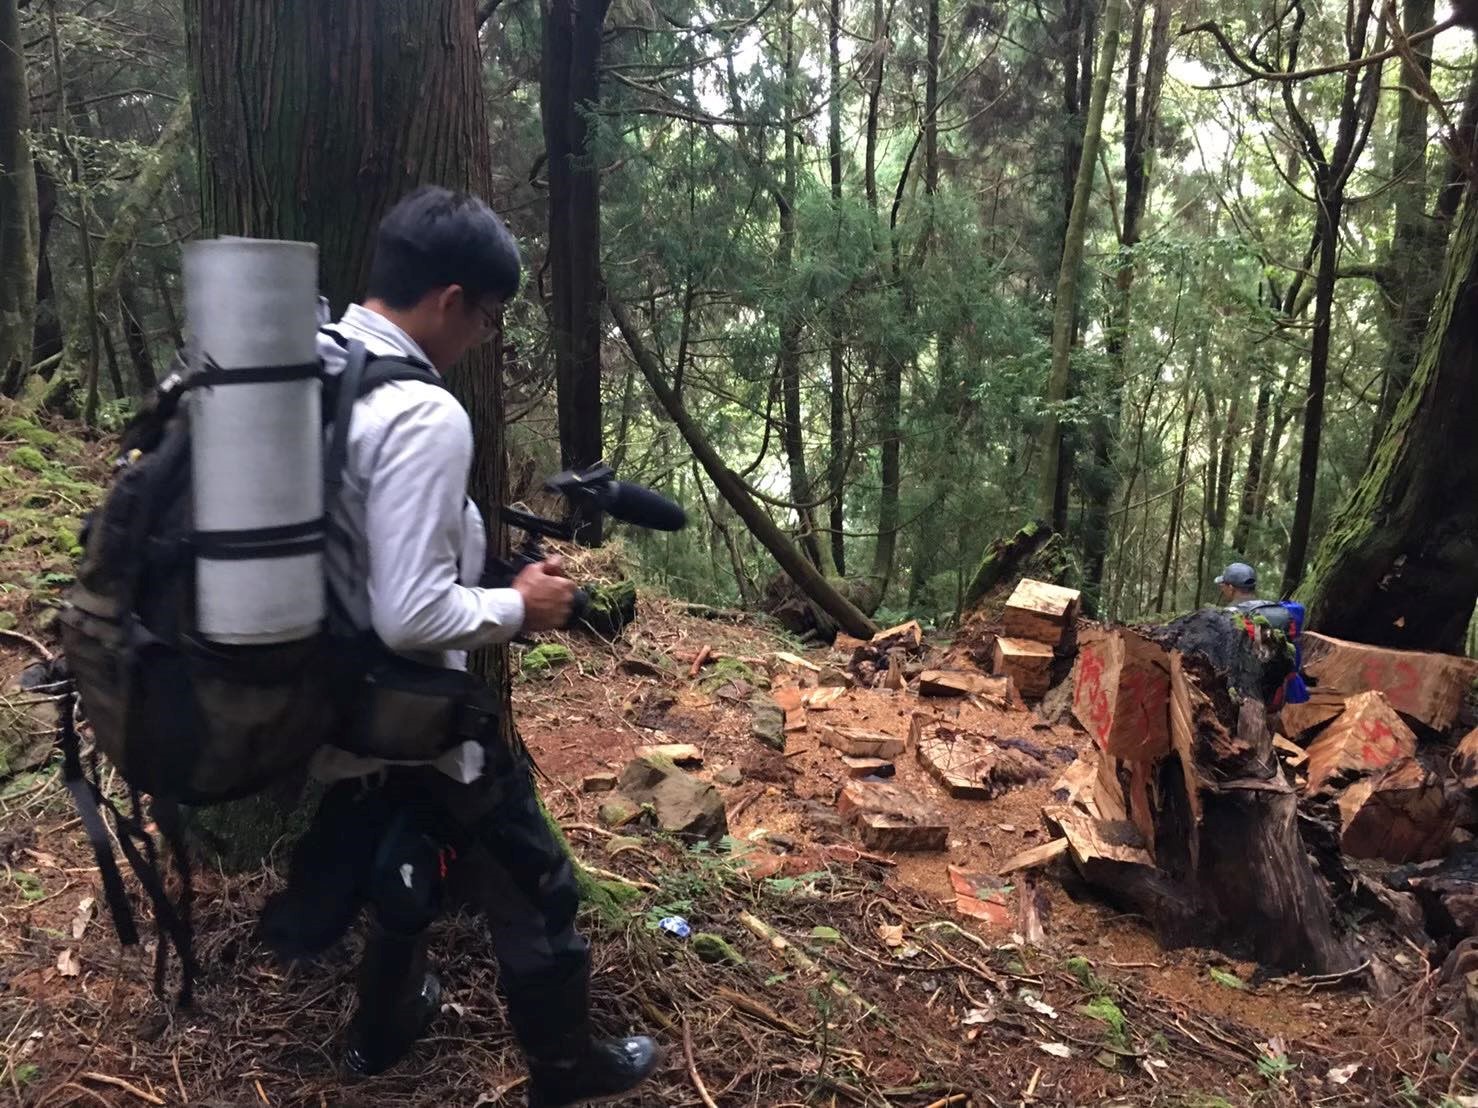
[{"x": 908, "y": 1003}]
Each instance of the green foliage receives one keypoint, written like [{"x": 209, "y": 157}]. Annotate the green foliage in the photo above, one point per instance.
[
  {"x": 28, "y": 457},
  {"x": 1228, "y": 980},
  {"x": 543, "y": 659},
  {"x": 1103, "y": 1009}
]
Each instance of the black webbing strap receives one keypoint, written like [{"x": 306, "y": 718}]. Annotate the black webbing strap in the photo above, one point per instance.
[
  {"x": 86, "y": 797},
  {"x": 361, "y": 376},
  {"x": 211, "y": 375},
  {"x": 282, "y": 541}
]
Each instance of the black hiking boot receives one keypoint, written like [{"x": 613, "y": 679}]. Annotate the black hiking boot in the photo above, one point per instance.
[
  {"x": 604, "y": 1069},
  {"x": 398, "y": 999},
  {"x": 567, "y": 1064}
]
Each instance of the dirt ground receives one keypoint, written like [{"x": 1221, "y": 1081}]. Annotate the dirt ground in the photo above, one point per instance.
[{"x": 896, "y": 1000}]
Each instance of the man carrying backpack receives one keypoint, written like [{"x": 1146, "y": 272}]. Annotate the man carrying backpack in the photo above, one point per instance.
[
  {"x": 405, "y": 556},
  {"x": 1238, "y": 587}
]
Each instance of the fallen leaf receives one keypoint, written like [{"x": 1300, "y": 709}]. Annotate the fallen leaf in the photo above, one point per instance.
[
  {"x": 453, "y": 1006},
  {"x": 979, "y": 1015},
  {"x": 68, "y": 964},
  {"x": 907, "y": 951},
  {"x": 1339, "y": 1075},
  {"x": 891, "y": 934},
  {"x": 1057, "y": 1050},
  {"x": 82, "y": 918},
  {"x": 826, "y": 934},
  {"x": 1032, "y": 1001},
  {"x": 1007, "y": 826}
]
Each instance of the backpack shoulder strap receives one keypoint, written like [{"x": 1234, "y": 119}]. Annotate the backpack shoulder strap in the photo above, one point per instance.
[{"x": 362, "y": 375}]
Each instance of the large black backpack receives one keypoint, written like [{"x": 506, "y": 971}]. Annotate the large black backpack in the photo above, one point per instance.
[{"x": 190, "y": 722}]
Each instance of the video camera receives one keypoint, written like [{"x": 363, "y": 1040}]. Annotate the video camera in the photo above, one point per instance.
[{"x": 593, "y": 488}]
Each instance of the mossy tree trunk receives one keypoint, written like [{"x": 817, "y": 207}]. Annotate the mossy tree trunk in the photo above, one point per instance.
[
  {"x": 19, "y": 219},
  {"x": 311, "y": 120},
  {"x": 1399, "y": 566}
]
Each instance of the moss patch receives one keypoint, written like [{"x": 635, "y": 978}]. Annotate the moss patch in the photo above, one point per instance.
[{"x": 546, "y": 657}]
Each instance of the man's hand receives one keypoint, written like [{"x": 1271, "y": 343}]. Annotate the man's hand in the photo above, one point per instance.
[{"x": 548, "y": 595}]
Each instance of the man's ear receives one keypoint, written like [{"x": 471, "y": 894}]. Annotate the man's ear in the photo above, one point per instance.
[{"x": 449, "y": 300}]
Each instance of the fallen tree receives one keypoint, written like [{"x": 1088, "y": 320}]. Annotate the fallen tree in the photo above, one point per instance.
[{"x": 806, "y": 576}]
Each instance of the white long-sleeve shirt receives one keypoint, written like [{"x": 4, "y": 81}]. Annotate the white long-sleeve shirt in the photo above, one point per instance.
[{"x": 406, "y": 545}]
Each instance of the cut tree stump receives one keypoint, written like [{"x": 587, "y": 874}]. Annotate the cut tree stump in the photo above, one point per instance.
[
  {"x": 888, "y": 818},
  {"x": 1367, "y": 737},
  {"x": 1465, "y": 760},
  {"x": 1428, "y": 688},
  {"x": 1041, "y": 612},
  {"x": 858, "y": 743},
  {"x": 970, "y": 766},
  {"x": 1027, "y": 663},
  {"x": 1206, "y": 842},
  {"x": 1122, "y": 694},
  {"x": 940, "y": 682},
  {"x": 1324, "y": 704},
  {"x": 1398, "y": 815}
]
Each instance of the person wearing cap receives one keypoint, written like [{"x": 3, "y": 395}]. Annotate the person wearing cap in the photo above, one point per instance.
[{"x": 1238, "y": 586}]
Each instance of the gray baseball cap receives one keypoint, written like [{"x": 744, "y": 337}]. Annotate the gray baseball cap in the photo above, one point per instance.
[{"x": 1239, "y": 575}]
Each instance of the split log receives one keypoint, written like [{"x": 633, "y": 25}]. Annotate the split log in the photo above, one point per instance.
[
  {"x": 859, "y": 743},
  {"x": 888, "y": 818},
  {"x": 1324, "y": 704},
  {"x": 905, "y": 634},
  {"x": 1122, "y": 694},
  {"x": 1036, "y": 857},
  {"x": 1367, "y": 737},
  {"x": 857, "y": 768},
  {"x": 1465, "y": 760},
  {"x": 938, "y": 682},
  {"x": 1027, "y": 663},
  {"x": 1399, "y": 815},
  {"x": 1042, "y": 613},
  {"x": 1428, "y": 688}
]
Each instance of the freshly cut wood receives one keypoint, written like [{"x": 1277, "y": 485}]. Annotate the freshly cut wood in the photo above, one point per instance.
[
  {"x": 1465, "y": 760},
  {"x": 970, "y": 766},
  {"x": 1121, "y": 694},
  {"x": 1041, "y": 612},
  {"x": 888, "y": 818},
  {"x": 788, "y": 697},
  {"x": 795, "y": 720},
  {"x": 1036, "y": 857},
  {"x": 822, "y": 698},
  {"x": 680, "y": 754},
  {"x": 910, "y": 634},
  {"x": 893, "y": 679},
  {"x": 866, "y": 767},
  {"x": 1367, "y": 736},
  {"x": 1324, "y": 704},
  {"x": 941, "y": 682},
  {"x": 1427, "y": 687},
  {"x": 1398, "y": 815},
  {"x": 846, "y": 643},
  {"x": 1075, "y": 786},
  {"x": 859, "y": 743},
  {"x": 1027, "y": 663}
]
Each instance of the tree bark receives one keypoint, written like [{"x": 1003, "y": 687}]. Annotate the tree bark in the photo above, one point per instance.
[
  {"x": 387, "y": 96},
  {"x": 1411, "y": 279},
  {"x": 1052, "y": 497},
  {"x": 731, "y": 488},
  {"x": 569, "y": 91},
  {"x": 1399, "y": 565},
  {"x": 137, "y": 342},
  {"x": 837, "y": 426},
  {"x": 20, "y": 221}
]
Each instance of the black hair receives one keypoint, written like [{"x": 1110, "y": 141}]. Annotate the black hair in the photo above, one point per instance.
[{"x": 436, "y": 237}]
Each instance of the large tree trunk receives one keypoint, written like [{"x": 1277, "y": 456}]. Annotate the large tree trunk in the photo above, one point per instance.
[
  {"x": 806, "y": 576},
  {"x": 20, "y": 231},
  {"x": 569, "y": 90},
  {"x": 388, "y": 96},
  {"x": 1141, "y": 119},
  {"x": 837, "y": 427},
  {"x": 138, "y": 342},
  {"x": 1411, "y": 279},
  {"x": 1052, "y": 497},
  {"x": 1399, "y": 565}
]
